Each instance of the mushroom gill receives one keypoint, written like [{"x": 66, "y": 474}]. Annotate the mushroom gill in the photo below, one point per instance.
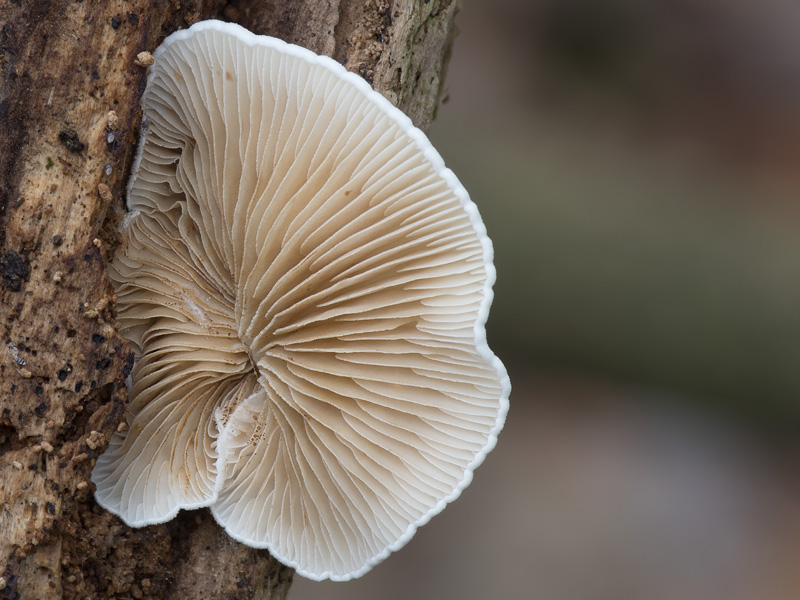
[{"x": 305, "y": 286}]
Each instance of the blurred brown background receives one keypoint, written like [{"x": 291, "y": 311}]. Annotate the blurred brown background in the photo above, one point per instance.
[{"x": 636, "y": 164}]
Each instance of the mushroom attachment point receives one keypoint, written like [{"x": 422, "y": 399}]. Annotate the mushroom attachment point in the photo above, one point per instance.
[{"x": 305, "y": 287}]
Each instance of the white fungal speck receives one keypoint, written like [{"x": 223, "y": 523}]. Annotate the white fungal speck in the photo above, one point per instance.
[{"x": 15, "y": 353}]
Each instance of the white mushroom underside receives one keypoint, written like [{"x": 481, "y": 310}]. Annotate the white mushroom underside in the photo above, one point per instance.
[{"x": 305, "y": 286}]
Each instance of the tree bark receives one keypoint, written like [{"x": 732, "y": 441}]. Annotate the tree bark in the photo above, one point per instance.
[{"x": 69, "y": 93}]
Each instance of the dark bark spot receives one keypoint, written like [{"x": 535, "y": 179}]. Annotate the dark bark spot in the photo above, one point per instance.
[
  {"x": 98, "y": 339},
  {"x": 64, "y": 372},
  {"x": 14, "y": 270},
  {"x": 10, "y": 592},
  {"x": 8, "y": 438},
  {"x": 3, "y": 39},
  {"x": 126, "y": 370},
  {"x": 69, "y": 138},
  {"x": 115, "y": 22}
]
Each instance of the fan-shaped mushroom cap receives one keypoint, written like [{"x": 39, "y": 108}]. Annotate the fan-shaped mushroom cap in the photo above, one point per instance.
[{"x": 305, "y": 286}]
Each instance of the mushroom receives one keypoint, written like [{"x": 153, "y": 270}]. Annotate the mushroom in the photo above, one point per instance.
[{"x": 305, "y": 287}]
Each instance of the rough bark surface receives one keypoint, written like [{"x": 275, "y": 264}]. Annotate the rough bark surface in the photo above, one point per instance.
[{"x": 69, "y": 93}]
